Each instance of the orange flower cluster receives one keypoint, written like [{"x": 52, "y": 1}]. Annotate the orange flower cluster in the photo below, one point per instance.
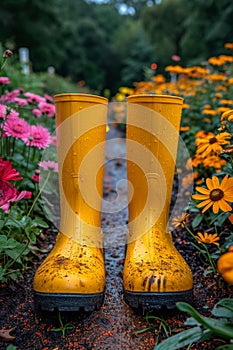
[
  {"x": 209, "y": 148},
  {"x": 220, "y": 60}
]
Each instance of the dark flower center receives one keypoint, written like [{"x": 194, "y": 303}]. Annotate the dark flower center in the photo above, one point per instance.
[
  {"x": 216, "y": 195},
  {"x": 213, "y": 140}
]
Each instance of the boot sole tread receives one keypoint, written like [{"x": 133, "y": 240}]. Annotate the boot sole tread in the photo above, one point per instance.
[
  {"x": 68, "y": 301},
  {"x": 148, "y": 301}
]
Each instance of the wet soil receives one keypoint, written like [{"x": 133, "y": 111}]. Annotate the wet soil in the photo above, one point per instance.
[{"x": 115, "y": 326}]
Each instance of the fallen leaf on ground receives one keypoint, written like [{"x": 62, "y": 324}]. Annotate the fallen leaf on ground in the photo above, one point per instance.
[{"x": 5, "y": 334}]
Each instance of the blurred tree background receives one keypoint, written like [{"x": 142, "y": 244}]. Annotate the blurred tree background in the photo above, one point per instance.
[{"x": 111, "y": 42}]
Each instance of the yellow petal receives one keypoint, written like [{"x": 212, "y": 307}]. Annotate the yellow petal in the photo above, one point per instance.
[
  {"x": 210, "y": 184},
  {"x": 224, "y": 184},
  {"x": 215, "y": 182},
  {"x": 228, "y": 197},
  {"x": 202, "y": 190},
  {"x": 207, "y": 207},
  {"x": 200, "y": 196},
  {"x": 202, "y": 204},
  {"x": 224, "y": 206},
  {"x": 201, "y": 236},
  {"x": 216, "y": 207}
]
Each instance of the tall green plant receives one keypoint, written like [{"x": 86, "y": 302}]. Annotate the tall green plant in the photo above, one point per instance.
[{"x": 203, "y": 328}]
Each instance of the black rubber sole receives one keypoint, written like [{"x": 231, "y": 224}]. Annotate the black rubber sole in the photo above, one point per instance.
[
  {"x": 68, "y": 302},
  {"x": 148, "y": 301}
]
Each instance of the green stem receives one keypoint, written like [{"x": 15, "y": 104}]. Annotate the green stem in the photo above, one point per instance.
[
  {"x": 13, "y": 147},
  {"x": 38, "y": 194},
  {"x": 3, "y": 63},
  {"x": 7, "y": 147},
  {"x": 210, "y": 259},
  {"x": 189, "y": 231},
  {"x": 28, "y": 155},
  {"x": 6, "y": 219}
]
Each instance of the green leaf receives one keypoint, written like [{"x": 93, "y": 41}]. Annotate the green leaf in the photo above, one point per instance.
[
  {"x": 11, "y": 347},
  {"x": 143, "y": 330},
  {"x": 197, "y": 220},
  {"x": 25, "y": 221},
  {"x": 181, "y": 339},
  {"x": 219, "y": 327},
  {"x": 1, "y": 224},
  {"x": 225, "y": 347},
  {"x": 14, "y": 275},
  {"x": 2, "y": 272},
  {"x": 6, "y": 243},
  {"x": 191, "y": 322},
  {"x": 30, "y": 235},
  {"x": 39, "y": 222},
  {"x": 224, "y": 308},
  {"x": 13, "y": 223},
  {"x": 14, "y": 255},
  {"x": 220, "y": 219}
]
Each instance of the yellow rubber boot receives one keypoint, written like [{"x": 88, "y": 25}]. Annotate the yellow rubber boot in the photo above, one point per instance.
[
  {"x": 72, "y": 277},
  {"x": 155, "y": 274}
]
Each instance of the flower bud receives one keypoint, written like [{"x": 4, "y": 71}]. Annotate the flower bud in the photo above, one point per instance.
[{"x": 8, "y": 53}]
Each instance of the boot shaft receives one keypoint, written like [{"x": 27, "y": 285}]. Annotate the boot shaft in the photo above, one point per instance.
[
  {"x": 153, "y": 123},
  {"x": 81, "y": 134}
]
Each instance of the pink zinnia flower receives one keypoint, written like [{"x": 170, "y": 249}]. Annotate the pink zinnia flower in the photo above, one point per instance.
[
  {"x": 10, "y": 96},
  {"x": 13, "y": 114},
  {"x": 7, "y": 172},
  {"x": 3, "y": 110},
  {"x": 34, "y": 98},
  {"x": 17, "y": 127},
  {"x": 49, "y": 98},
  {"x": 37, "y": 112},
  {"x": 39, "y": 137},
  {"x": 47, "y": 108},
  {"x": 20, "y": 101},
  {"x": 4, "y": 80},
  {"x": 49, "y": 165}
]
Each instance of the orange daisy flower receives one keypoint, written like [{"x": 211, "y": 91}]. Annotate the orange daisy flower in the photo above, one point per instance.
[
  {"x": 229, "y": 46},
  {"x": 185, "y": 128},
  {"x": 228, "y": 115},
  {"x": 214, "y": 161},
  {"x": 216, "y": 195},
  {"x": 180, "y": 220},
  {"x": 209, "y": 111},
  {"x": 207, "y": 238},
  {"x": 212, "y": 143}
]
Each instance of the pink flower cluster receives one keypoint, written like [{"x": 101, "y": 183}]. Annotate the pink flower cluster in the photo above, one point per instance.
[
  {"x": 8, "y": 192},
  {"x": 18, "y": 112},
  {"x": 4, "y": 80},
  {"x": 33, "y": 135},
  {"x": 42, "y": 105},
  {"x": 14, "y": 126}
]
